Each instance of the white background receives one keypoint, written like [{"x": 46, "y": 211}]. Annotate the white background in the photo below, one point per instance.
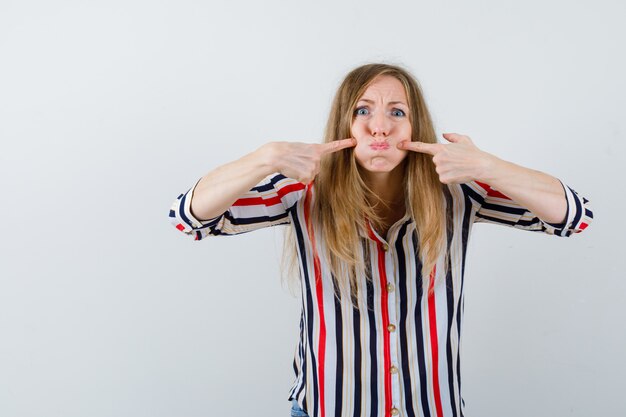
[{"x": 110, "y": 109}]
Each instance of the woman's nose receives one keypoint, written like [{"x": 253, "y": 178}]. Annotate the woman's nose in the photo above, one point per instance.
[{"x": 379, "y": 125}]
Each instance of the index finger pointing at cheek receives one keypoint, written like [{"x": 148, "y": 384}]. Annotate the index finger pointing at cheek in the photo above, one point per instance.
[
  {"x": 337, "y": 145},
  {"x": 423, "y": 147}
]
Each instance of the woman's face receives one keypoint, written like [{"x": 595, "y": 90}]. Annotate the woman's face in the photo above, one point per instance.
[{"x": 381, "y": 121}]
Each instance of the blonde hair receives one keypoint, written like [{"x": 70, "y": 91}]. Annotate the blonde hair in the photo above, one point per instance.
[{"x": 344, "y": 203}]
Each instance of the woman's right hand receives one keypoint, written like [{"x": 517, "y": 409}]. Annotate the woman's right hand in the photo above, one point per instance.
[{"x": 301, "y": 161}]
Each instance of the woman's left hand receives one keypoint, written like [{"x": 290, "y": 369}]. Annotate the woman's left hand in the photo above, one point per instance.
[{"x": 457, "y": 162}]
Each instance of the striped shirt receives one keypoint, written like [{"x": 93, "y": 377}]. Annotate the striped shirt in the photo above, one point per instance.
[{"x": 399, "y": 352}]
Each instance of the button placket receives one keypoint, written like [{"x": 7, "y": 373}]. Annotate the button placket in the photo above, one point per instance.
[
  {"x": 391, "y": 317},
  {"x": 391, "y": 328}
]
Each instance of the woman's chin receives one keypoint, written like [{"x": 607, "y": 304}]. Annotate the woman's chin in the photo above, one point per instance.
[
  {"x": 380, "y": 164},
  {"x": 379, "y": 168}
]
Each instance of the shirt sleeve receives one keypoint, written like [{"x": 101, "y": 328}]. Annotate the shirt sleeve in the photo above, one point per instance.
[
  {"x": 495, "y": 207},
  {"x": 266, "y": 204}
]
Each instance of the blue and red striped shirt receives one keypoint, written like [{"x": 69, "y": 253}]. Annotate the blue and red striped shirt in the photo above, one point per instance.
[{"x": 399, "y": 352}]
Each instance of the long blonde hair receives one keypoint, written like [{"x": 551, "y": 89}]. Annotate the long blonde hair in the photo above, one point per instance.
[{"x": 344, "y": 203}]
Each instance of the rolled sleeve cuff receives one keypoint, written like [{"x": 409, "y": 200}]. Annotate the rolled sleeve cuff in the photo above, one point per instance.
[
  {"x": 185, "y": 221},
  {"x": 576, "y": 218}
]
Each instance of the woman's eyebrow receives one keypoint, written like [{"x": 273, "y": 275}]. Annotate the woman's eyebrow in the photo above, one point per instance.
[{"x": 391, "y": 102}]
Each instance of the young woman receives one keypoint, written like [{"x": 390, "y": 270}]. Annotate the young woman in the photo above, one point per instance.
[{"x": 381, "y": 215}]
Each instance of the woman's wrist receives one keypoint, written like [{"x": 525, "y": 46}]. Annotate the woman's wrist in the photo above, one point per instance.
[
  {"x": 489, "y": 169},
  {"x": 265, "y": 158}
]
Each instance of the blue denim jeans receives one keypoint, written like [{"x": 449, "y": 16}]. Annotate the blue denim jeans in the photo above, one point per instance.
[{"x": 296, "y": 411}]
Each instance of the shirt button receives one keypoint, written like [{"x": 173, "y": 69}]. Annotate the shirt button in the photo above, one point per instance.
[
  {"x": 385, "y": 247},
  {"x": 391, "y": 328},
  {"x": 395, "y": 411},
  {"x": 393, "y": 370},
  {"x": 390, "y": 287}
]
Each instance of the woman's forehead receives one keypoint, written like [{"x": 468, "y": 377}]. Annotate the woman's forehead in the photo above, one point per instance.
[{"x": 385, "y": 87}]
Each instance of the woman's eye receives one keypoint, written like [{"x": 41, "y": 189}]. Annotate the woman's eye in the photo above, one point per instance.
[
  {"x": 361, "y": 111},
  {"x": 398, "y": 113}
]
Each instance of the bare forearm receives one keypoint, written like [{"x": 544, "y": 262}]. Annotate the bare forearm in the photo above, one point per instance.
[
  {"x": 221, "y": 187},
  {"x": 537, "y": 191}
]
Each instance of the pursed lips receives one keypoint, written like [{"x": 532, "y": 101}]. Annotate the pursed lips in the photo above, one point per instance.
[{"x": 379, "y": 146}]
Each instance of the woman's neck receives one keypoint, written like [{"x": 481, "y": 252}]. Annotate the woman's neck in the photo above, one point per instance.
[{"x": 388, "y": 186}]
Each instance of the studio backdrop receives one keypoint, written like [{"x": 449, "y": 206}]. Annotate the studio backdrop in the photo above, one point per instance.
[{"x": 111, "y": 109}]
